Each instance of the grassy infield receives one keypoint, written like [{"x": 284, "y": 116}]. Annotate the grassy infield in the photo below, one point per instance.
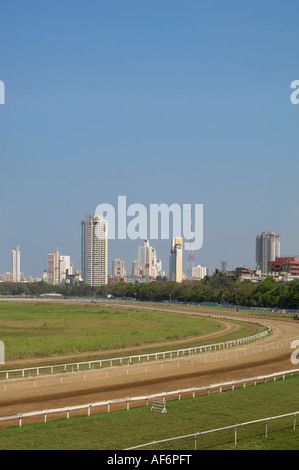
[{"x": 31, "y": 330}]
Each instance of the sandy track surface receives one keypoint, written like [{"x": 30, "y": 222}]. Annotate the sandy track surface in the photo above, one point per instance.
[{"x": 269, "y": 355}]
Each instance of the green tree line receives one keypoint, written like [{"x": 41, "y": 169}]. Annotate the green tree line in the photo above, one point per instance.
[{"x": 217, "y": 288}]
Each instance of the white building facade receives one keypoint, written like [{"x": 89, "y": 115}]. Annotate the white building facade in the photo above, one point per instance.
[
  {"x": 267, "y": 249},
  {"x": 147, "y": 260},
  {"x": 94, "y": 250},
  {"x": 16, "y": 264}
]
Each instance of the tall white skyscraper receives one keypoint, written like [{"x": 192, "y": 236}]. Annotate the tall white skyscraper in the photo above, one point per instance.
[
  {"x": 65, "y": 267},
  {"x": 147, "y": 260},
  {"x": 94, "y": 250},
  {"x": 16, "y": 264},
  {"x": 267, "y": 249}
]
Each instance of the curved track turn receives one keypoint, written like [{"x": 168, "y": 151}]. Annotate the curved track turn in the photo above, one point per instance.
[{"x": 266, "y": 356}]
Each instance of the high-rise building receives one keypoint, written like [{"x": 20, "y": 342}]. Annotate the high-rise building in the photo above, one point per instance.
[
  {"x": 53, "y": 268},
  {"x": 16, "y": 264},
  {"x": 94, "y": 250},
  {"x": 118, "y": 268},
  {"x": 147, "y": 260},
  {"x": 224, "y": 266},
  {"x": 159, "y": 268},
  {"x": 267, "y": 249},
  {"x": 135, "y": 267},
  {"x": 65, "y": 267},
  {"x": 176, "y": 260},
  {"x": 199, "y": 272}
]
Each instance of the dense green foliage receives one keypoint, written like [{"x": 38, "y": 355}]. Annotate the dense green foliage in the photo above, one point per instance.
[{"x": 217, "y": 288}]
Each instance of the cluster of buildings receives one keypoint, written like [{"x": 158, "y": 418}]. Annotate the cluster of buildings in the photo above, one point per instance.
[
  {"x": 269, "y": 261},
  {"x": 147, "y": 267},
  {"x": 16, "y": 275},
  {"x": 60, "y": 270}
]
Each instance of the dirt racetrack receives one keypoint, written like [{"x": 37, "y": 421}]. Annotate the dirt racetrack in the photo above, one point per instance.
[{"x": 269, "y": 355}]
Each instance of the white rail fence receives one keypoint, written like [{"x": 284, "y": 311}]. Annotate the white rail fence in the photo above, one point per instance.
[
  {"x": 234, "y": 427},
  {"x": 127, "y": 360},
  {"x": 218, "y": 356},
  {"x": 129, "y": 400}
]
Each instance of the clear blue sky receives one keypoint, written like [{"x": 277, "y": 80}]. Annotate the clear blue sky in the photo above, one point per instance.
[{"x": 163, "y": 101}]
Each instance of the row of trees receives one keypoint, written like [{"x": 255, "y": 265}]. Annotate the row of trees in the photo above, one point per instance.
[{"x": 217, "y": 288}]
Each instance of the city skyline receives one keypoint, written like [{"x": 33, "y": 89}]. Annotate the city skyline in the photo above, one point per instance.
[
  {"x": 175, "y": 102},
  {"x": 267, "y": 248}
]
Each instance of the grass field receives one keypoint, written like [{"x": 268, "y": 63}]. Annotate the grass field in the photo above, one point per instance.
[
  {"x": 37, "y": 330},
  {"x": 123, "y": 429}
]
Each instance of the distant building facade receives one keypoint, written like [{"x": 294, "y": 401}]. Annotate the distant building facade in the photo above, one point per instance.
[
  {"x": 65, "y": 268},
  {"x": 53, "y": 267},
  {"x": 267, "y": 249},
  {"x": 135, "y": 268},
  {"x": 224, "y": 266},
  {"x": 176, "y": 260},
  {"x": 94, "y": 250},
  {"x": 118, "y": 268},
  {"x": 199, "y": 272},
  {"x": 16, "y": 264},
  {"x": 147, "y": 260},
  {"x": 289, "y": 265}
]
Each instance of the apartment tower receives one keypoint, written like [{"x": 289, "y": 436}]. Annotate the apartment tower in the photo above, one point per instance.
[
  {"x": 94, "y": 250},
  {"x": 118, "y": 268},
  {"x": 135, "y": 267},
  {"x": 65, "y": 268},
  {"x": 267, "y": 249},
  {"x": 147, "y": 260},
  {"x": 16, "y": 264},
  {"x": 53, "y": 268},
  {"x": 176, "y": 260}
]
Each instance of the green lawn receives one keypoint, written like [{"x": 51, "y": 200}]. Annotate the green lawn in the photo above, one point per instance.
[
  {"x": 126, "y": 428},
  {"x": 37, "y": 330}
]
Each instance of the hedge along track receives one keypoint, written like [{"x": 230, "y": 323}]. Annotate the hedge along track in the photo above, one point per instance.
[{"x": 200, "y": 311}]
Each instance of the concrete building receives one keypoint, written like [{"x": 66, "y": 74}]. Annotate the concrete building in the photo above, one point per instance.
[
  {"x": 16, "y": 264},
  {"x": 199, "y": 272},
  {"x": 176, "y": 260},
  {"x": 160, "y": 272},
  {"x": 224, "y": 266},
  {"x": 118, "y": 268},
  {"x": 53, "y": 268},
  {"x": 135, "y": 268},
  {"x": 94, "y": 250},
  {"x": 267, "y": 249},
  {"x": 65, "y": 268},
  {"x": 288, "y": 265},
  {"x": 6, "y": 277},
  {"x": 147, "y": 260}
]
